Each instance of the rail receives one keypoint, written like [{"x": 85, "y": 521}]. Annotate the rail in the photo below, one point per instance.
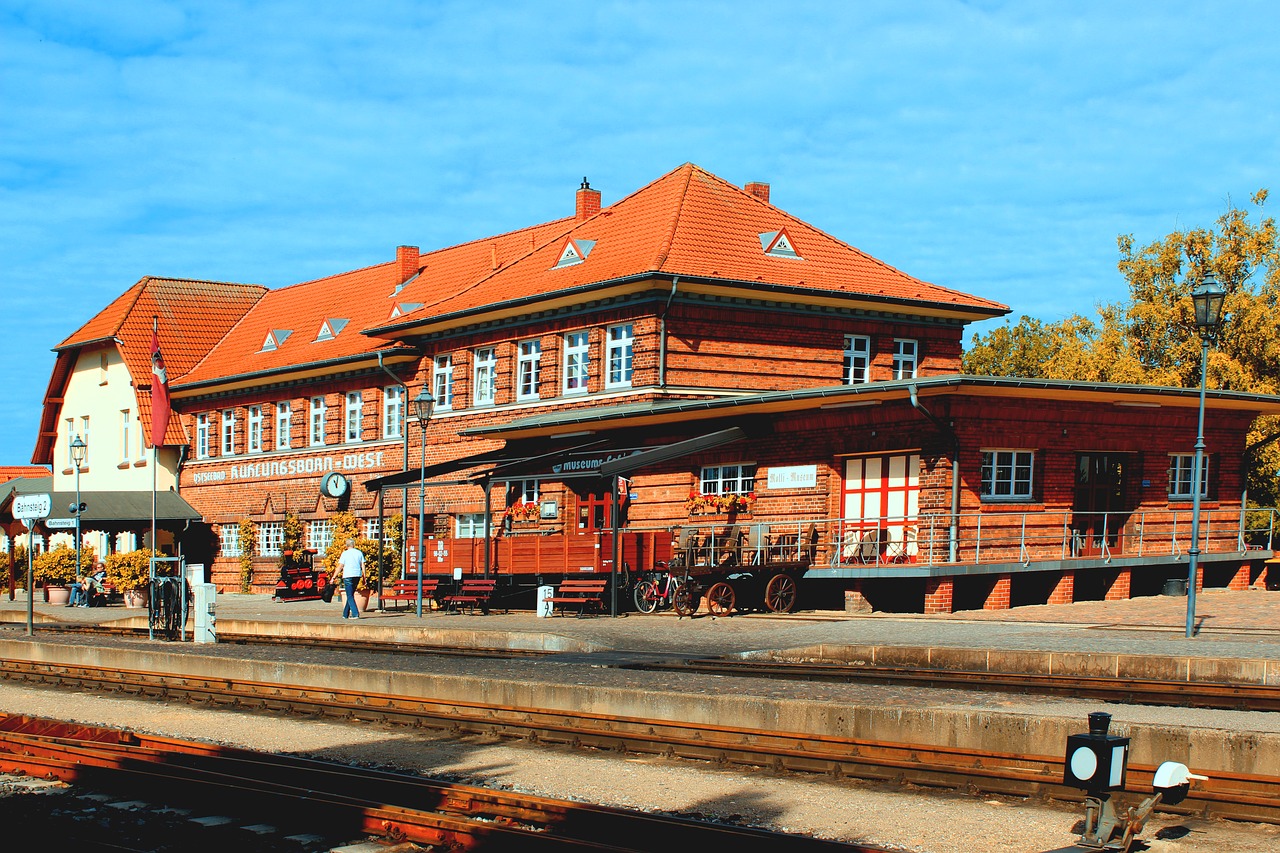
[{"x": 983, "y": 537}]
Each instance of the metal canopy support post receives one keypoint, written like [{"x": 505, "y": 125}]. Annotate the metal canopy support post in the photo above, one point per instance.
[
  {"x": 488, "y": 524},
  {"x": 617, "y": 547}
]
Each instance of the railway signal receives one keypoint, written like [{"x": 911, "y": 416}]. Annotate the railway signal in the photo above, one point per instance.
[{"x": 1097, "y": 762}]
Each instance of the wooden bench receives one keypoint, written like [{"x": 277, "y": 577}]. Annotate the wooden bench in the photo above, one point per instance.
[
  {"x": 104, "y": 595},
  {"x": 472, "y": 594},
  {"x": 406, "y": 589},
  {"x": 580, "y": 591}
]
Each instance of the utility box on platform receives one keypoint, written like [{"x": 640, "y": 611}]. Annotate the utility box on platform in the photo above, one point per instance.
[{"x": 206, "y": 596}]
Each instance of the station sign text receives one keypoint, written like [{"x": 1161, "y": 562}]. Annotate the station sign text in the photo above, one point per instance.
[{"x": 306, "y": 466}]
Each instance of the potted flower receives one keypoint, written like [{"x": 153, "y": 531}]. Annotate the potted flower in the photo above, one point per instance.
[
  {"x": 131, "y": 574},
  {"x": 347, "y": 526},
  {"x": 56, "y": 570}
]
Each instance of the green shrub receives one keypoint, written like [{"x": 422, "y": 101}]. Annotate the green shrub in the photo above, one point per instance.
[
  {"x": 248, "y": 542},
  {"x": 58, "y": 567},
  {"x": 131, "y": 571}
]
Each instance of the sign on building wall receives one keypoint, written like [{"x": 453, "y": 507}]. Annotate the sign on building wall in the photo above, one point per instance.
[
  {"x": 793, "y": 477},
  {"x": 306, "y": 466}
]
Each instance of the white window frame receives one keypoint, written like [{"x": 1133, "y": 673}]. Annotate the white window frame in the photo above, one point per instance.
[
  {"x": 270, "y": 538},
  {"x": 229, "y": 540},
  {"x": 619, "y": 355},
  {"x": 202, "y": 435},
  {"x": 484, "y": 376},
  {"x": 392, "y": 411},
  {"x": 857, "y": 359},
  {"x": 354, "y": 419},
  {"x": 284, "y": 425},
  {"x": 577, "y": 361},
  {"x": 372, "y": 528},
  {"x": 228, "y": 432},
  {"x": 253, "y": 429},
  {"x": 469, "y": 525},
  {"x": 320, "y": 535},
  {"x": 1181, "y": 472},
  {"x": 906, "y": 358},
  {"x": 71, "y": 436},
  {"x": 84, "y": 435},
  {"x": 523, "y": 491},
  {"x": 736, "y": 478},
  {"x": 125, "y": 417},
  {"x": 1008, "y": 474},
  {"x": 528, "y": 369},
  {"x": 442, "y": 381},
  {"x": 315, "y": 422}
]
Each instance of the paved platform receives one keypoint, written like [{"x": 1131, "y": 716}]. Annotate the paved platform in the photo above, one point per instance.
[{"x": 1235, "y": 628}]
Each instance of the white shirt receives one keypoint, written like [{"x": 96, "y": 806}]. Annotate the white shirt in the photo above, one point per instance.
[{"x": 352, "y": 563}]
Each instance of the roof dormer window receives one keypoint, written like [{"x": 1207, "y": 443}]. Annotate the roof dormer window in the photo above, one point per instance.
[
  {"x": 778, "y": 244},
  {"x": 574, "y": 252},
  {"x": 330, "y": 328},
  {"x": 402, "y": 308},
  {"x": 275, "y": 339}
]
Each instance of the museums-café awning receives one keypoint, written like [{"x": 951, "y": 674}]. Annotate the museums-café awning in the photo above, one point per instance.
[{"x": 596, "y": 459}]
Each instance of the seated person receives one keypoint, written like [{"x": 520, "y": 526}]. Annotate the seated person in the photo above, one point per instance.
[
  {"x": 93, "y": 585},
  {"x": 78, "y": 593}
]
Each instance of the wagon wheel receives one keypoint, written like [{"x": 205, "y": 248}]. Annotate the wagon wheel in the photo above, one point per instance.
[
  {"x": 685, "y": 599},
  {"x": 720, "y": 599},
  {"x": 780, "y": 594},
  {"x": 646, "y": 596}
]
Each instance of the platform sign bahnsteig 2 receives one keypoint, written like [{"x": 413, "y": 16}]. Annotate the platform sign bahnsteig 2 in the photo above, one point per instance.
[{"x": 29, "y": 508}]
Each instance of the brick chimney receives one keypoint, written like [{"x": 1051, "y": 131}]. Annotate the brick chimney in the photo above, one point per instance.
[
  {"x": 759, "y": 190},
  {"x": 588, "y": 202},
  {"x": 407, "y": 262}
]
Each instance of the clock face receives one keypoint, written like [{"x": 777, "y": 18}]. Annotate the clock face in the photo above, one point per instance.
[{"x": 334, "y": 485}]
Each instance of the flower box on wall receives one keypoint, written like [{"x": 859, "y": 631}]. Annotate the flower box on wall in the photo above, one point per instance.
[{"x": 701, "y": 505}]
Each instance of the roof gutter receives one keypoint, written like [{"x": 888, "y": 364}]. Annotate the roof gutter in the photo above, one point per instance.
[{"x": 946, "y": 430}]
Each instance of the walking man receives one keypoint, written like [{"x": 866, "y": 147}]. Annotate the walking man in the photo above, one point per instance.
[{"x": 352, "y": 565}]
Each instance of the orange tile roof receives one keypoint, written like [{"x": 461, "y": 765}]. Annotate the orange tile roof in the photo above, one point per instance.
[
  {"x": 364, "y": 297},
  {"x": 693, "y": 224},
  {"x": 191, "y": 316},
  {"x": 13, "y": 472}
]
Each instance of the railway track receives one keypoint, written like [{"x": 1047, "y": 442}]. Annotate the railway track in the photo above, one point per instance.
[
  {"x": 1232, "y": 796},
  {"x": 342, "y": 801},
  {"x": 1182, "y": 694}
]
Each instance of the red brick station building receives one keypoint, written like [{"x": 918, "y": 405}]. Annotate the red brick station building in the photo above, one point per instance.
[{"x": 689, "y": 370}]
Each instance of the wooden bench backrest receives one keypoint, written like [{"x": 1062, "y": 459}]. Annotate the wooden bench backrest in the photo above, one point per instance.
[{"x": 583, "y": 585}]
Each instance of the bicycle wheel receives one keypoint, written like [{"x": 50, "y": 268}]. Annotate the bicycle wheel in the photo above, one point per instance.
[
  {"x": 685, "y": 599},
  {"x": 646, "y": 596}
]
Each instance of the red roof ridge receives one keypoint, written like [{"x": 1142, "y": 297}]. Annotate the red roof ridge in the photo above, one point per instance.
[{"x": 665, "y": 248}]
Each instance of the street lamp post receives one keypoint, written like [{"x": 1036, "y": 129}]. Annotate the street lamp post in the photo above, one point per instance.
[
  {"x": 1207, "y": 298},
  {"x": 423, "y": 404},
  {"x": 78, "y": 449}
]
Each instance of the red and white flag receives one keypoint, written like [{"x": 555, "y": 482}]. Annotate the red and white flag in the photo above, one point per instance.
[{"x": 159, "y": 389}]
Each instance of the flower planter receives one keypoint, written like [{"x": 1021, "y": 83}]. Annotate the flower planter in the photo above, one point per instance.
[
  {"x": 136, "y": 598},
  {"x": 57, "y": 594},
  {"x": 361, "y": 599}
]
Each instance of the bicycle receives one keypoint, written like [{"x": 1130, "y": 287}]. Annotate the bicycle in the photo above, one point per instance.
[{"x": 665, "y": 588}]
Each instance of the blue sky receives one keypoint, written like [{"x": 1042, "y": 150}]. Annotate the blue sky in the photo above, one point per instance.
[{"x": 998, "y": 148}]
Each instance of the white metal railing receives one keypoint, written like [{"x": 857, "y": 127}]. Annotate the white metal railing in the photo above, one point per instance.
[{"x": 982, "y": 537}]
